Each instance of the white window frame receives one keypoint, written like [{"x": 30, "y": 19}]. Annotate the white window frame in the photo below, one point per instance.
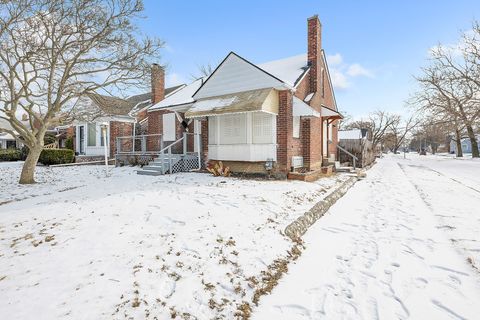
[
  {"x": 212, "y": 130},
  {"x": 296, "y": 126},
  {"x": 263, "y": 128},
  {"x": 233, "y": 128}
]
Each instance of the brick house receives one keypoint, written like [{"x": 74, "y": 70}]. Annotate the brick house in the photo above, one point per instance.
[
  {"x": 125, "y": 117},
  {"x": 252, "y": 115}
]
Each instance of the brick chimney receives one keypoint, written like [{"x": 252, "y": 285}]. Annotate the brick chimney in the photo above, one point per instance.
[
  {"x": 314, "y": 51},
  {"x": 158, "y": 83}
]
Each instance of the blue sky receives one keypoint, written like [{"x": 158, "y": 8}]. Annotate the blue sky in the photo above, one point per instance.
[{"x": 374, "y": 47}]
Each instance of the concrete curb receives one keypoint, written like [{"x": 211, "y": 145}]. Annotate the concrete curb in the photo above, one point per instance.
[{"x": 297, "y": 228}]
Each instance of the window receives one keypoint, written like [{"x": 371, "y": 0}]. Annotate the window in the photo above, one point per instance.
[
  {"x": 323, "y": 82},
  {"x": 233, "y": 128},
  {"x": 169, "y": 127},
  {"x": 92, "y": 134},
  {"x": 101, "y": 137},
  {"x": 262, "y": 127},
  {"x": 212, "y": 130},
  {"x": 296, "y": 127}
]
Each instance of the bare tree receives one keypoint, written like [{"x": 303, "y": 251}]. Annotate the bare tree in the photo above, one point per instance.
[
  {"x": 204, "y": 70},
  {"x": 399, "y": 130},
  {"x": 53, "y": 52},
  {"x": 455, "y": 74},
  {"x": 377, "y": 124}
]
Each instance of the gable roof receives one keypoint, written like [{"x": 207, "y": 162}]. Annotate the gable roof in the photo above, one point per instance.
[
  {"x": 114, "y": 106},
  {"x": 290, "y": 70},
  {"x": 237, "y": 74},
  {"x": 324, "y": 57},
  {"x": 180, "y": 97}
]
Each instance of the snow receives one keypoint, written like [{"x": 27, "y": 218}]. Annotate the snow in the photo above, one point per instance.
[
  {"x": 182, "y": 96},
  {"x": 289, "y": 70},
  {"x": 213, "y": 104},
  {"x": 309, "y": 97},
  {"x": 402, "y": 243},
  {"x": 79, "y": 245}
]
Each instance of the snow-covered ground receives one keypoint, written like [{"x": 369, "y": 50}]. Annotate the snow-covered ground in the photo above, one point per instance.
[
  {"x": 402, "y": 243},
  {"x": 78, "y": 245}
]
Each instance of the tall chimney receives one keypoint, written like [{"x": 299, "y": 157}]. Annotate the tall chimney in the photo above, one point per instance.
[
  {"x": 158, "y": 83},
  {"x": 314, "y": 51}
]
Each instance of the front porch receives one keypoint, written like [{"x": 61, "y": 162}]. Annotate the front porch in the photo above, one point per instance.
[{"x": 157, "y": 156}]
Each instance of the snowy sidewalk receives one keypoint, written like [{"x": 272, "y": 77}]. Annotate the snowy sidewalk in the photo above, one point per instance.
[{"x": 380, "y": 252}]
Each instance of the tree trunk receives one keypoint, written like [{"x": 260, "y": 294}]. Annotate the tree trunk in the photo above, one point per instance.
[
  {"x": 458, "y": 142},
  {"x": 473, "y": 141},
  {"x": 28, "y": 170}
]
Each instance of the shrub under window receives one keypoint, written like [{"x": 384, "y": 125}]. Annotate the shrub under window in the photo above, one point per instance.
[{"x": 56, "y": 156}]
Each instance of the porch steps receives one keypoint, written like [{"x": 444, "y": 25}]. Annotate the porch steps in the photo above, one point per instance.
[
  {"x": 345, "y": 169},
  {"x": 155, "y": 167},
  {"x": 179, "y": 163}
]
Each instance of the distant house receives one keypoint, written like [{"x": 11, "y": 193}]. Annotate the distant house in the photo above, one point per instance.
[
  {"x": 357, "y": 142},
  {"x": 123, "y": 116},
  {"x": 7, "y": 140},
  {"x": 466, "y": 145},
  {"x": 252, "y": 116}
]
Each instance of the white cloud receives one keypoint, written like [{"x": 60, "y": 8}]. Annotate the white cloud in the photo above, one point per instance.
[
  {"x": 356, "y": 70},
  {"x": 335, "y": 60},
  {"x": 174, "y": 79},
  {"x": 339, "y": 80},
  {"x": 342, "y": 73}
]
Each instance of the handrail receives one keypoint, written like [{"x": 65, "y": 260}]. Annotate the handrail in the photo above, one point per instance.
[
  {"x": 141, "y": 135},
  {"x": 350, "y": 154},
  {"x": 170, "y": 145}
]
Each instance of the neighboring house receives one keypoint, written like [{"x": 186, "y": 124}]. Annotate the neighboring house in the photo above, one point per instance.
[
  {"x": 252, "y": 115},
  {"x": 466, "y": 145},
  {"x": 123, "y": 116},
  {"x": 7, "y": 140},
  {"x": 357, "y": 142}
]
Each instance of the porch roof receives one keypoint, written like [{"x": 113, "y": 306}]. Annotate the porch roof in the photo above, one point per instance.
[
  {"x": 301, "y": 109},
  {"x": 330, "y": 114},
  {"x": 265, "y": 100}
]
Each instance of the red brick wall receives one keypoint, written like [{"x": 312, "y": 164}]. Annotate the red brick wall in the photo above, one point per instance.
[
  {"x": 120, "y": 129},
  {"x": 155, "y": 126}
]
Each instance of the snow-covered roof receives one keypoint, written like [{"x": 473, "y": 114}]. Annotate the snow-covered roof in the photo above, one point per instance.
[
  {"x": 6, "y": 136},
  {"x": 252, "y": 100},
  {"x": 180, "y": 97},
  {"x": 350, "y": 134},
  {"x": 289, "y": 70},
  {"x": 301, "y": 109}
]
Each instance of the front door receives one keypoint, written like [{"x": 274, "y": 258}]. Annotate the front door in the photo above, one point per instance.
[
  {"x": 81, "y": 140},
  {"x": 325, "y": 139}
]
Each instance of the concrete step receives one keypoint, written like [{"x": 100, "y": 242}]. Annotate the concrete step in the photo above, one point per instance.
[
  {"x": 149, "y": 172},
  {"x": 152, "y": 167}
]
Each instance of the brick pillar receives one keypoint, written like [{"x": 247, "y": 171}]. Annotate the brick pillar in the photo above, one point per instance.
[
  {"x": 305, "y": 136},
  {"x": 314, "y": 51},
  {"x": 284, "y": 131},
  {"x": 204, "y": 138}
]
